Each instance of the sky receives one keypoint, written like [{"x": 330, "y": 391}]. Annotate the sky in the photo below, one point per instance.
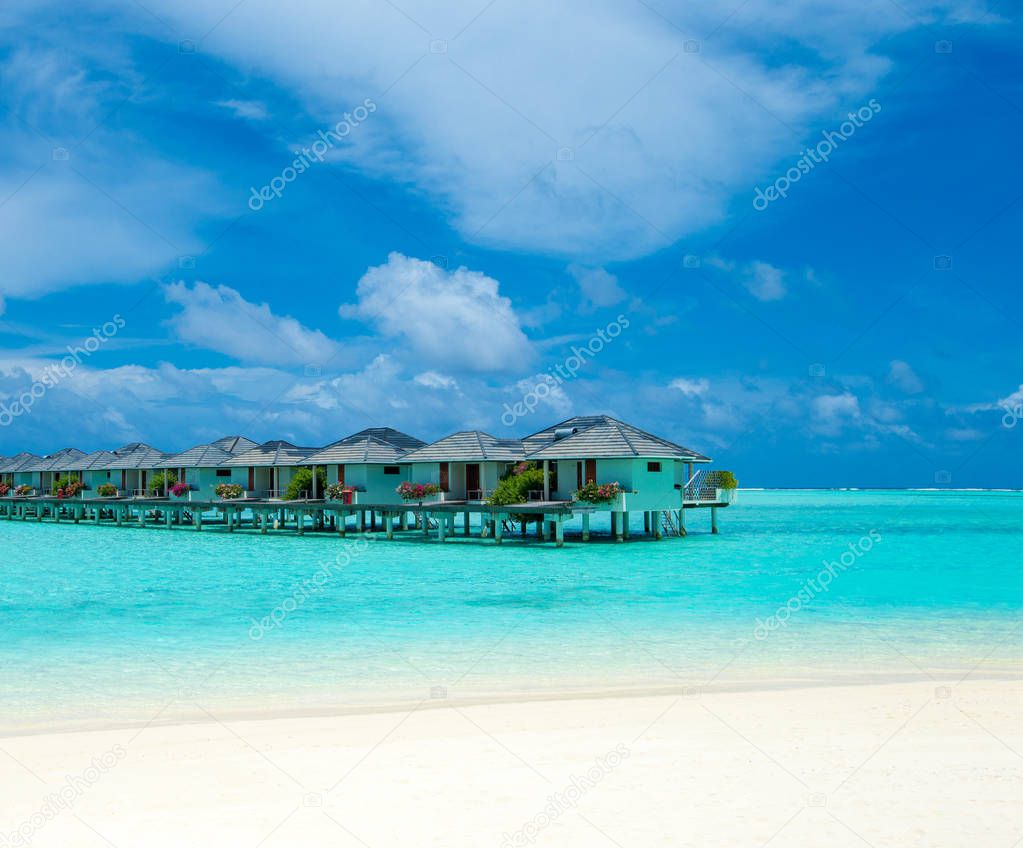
[{"x": 779, "y": 232}]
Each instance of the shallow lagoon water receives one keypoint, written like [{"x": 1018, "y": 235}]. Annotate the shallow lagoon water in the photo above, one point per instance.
[{"x": 105, "y": 624}]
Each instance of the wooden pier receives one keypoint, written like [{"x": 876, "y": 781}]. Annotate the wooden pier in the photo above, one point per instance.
[{"x": 440, "y": 520}]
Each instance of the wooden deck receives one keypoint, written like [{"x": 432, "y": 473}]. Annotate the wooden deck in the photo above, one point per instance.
[{"x": 428, "y": 519}]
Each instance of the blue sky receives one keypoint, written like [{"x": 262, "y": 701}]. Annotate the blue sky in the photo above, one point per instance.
[{"x": 508, "y": 180}]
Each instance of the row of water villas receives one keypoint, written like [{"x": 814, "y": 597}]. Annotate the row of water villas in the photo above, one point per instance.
[{"x": 657, "y": 478}]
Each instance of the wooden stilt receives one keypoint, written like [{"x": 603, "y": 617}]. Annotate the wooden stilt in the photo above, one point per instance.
[{"x": 586, "y": 527}]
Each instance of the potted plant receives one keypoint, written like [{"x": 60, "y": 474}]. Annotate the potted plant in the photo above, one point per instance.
[
  {"x": 416, "y": 491},
  {"x": 229, "y": 491},
  {"x": 339, "y": 492},
  {"x": 180, "y": 489},
  {"x": 68, "y": 487},
  {"x": 725, "y": 486},
  {"x": 106, "y": 490},
  {"x": 598, "y": 493},
  {"x": 23, "y": 491},
  {"x": 4, "y": 489}
]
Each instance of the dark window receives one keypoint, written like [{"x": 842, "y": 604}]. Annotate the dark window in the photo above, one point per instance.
[
  {"x": 392, "y": 469},
  {"x": 223, "y": 472},
  {"x": 552, "y": 475},
  {"x": 444, "y": 477},
  {"x": 653, "y": 466}
]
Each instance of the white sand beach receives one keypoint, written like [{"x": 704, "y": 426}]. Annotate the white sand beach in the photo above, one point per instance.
[{"x": 928, "y": 763}]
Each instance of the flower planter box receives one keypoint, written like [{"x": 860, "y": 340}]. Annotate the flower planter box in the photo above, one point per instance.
[{"x": 726, "y": 495}]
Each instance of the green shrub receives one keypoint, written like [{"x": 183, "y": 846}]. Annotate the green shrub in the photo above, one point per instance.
[
  {"x": 726, "y": 480},
  {"x": 301, "y": 485},
  {"x": 157, "y": 481},
  {"x": 515, "y": 488},
  {"x": 106, "y": 490}
]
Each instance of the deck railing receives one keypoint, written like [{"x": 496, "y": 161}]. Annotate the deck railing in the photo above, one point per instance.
[{"x": 705, "y": 485}]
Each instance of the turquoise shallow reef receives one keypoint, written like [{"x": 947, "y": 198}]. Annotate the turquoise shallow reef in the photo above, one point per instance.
[{"x": 106, "y": 624}]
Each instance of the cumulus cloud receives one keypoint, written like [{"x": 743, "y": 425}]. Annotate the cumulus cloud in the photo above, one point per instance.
[
  {"x": 761, "y": 279},
  {"x": 455, "y": 319},
  {"x": 903, "y": 377},
  {"x": 433, "y": 380},
  {"x": 220, "y": 319},
  {"x": 597, "y": 287}
]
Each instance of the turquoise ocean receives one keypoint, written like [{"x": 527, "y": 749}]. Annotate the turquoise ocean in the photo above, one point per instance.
[{"x": 105, "y": 625}]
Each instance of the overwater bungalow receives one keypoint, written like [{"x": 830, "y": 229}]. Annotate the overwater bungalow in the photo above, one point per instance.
[
  {"x": 370, "y": 463},
  {"x": 93, "y": 470},
  {"x": 268, "y": 468},
  {"x": 588, "y": 464},
  {"x": 12, "y": 471},
  {"x": 132, "y": 465},
  {"x": 465, "y": 465},
  {"x": 201, "y": 466},
  {"x": 598, "y": 448},
  {"x": 48, "y": 469}
]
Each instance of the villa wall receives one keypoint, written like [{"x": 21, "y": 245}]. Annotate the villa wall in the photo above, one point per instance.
[{"x": 374, "y": 486}]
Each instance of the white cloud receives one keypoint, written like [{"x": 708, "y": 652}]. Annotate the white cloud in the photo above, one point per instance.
[
  {"x": 597, "y": 287},
  {"x": 109, "y": 211},
  {"x": 455, "y": 319},
  {"x": 433, "y": 380},
  {"x": 661, "y": 139},
  {"x": 251, "y": 110},
  {"x": 221, "y": 319},
  {"x": 903, "y": 377},
  {"x": 761, "y": 279},
  {"x": 690, "y": 388},
  {"x": 832, "y": 412},
  {"x": 765, "y": 282}
]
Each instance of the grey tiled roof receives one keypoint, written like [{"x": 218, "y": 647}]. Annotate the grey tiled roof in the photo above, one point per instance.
[
  {"x": 234, "y": 444},
  {"x": 94, "y": 460},
  {"x": 272, "y": 453},
  {"x": 367, "y": 449},
  {"x": 600, "y": 436},
  {"x": 389, "y": 435},
  {"x": 142, "y": 457},
  {"x": 18, "y": 461},
  {"x": 200, "y": 456},
  {"x": 468, "y": 446},
  {"x": 55, "y": 461}
]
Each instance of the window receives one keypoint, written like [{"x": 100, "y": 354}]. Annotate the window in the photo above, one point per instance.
[
  {"x": 392, "y": 469},
  {"x": 653, "y": 466},
  {"x": 223, "y": 472}
]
